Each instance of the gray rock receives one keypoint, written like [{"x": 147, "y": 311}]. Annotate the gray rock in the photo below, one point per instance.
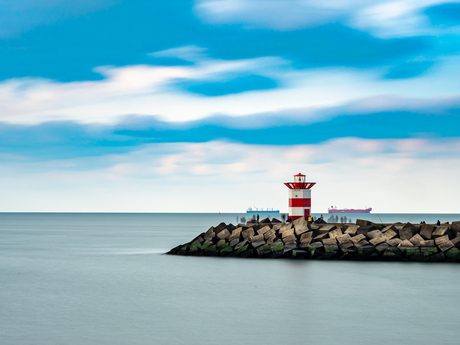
[
  {"x": 329, "y": 241},
  {"x": 345, "y": 238},
  {"x": 405, "y": 243},
  {"x": 441, "y": 231},
  {"x": 223, "y": 234},
  {"x": 358, "y": 238},
  {"x": 326, "y": 228},
  {"x": 362, "y": 222},
  {"x": 394, "y": 242},
  {"x": 416, "y": 239},
  {"x": 441, "y": 239},
  {"x": 405, "y": 234},
  {"x": 286, "y": 233},
  {"x": 445, "y": 245},
  {"x": 263, "y": 230},
  {"x": 426, "y": 243},
  {"x": 388, "y": 227},
  {"x": 377, "y": 240},
  {"x": 289, "y": 239},
  {"x": 352, "y": 229},
  {"x": 247, "y": 233},
  {"x": 374, "y": 234},
  {"x": 426, "y": 231},
  {"x": 335, "y": 233}
]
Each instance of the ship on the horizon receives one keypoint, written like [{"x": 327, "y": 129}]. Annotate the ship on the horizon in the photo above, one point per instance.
[
  {"x": 256, "y": 210},
  {"x": 334, "y": 209}
]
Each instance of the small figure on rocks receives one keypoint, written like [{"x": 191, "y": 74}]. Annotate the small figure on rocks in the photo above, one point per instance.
[
  {"x": 257, "y": 218},
  {"x": 438, "y": 223}
]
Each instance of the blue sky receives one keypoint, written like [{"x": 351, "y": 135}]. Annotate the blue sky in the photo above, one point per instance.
[{"x": 209, "y": 105}]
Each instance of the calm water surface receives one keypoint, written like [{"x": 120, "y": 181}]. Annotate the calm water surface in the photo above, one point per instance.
[{"x": 103, "y": 279}]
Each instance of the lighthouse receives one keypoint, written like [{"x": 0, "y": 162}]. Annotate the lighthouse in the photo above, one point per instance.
[{"x": 299, "y": 197}]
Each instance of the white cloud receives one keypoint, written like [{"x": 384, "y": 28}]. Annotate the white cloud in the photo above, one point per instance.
[
  {"x": 147, "y": 90},
  {"x": 389, "y": 175},
  {"x": 386, "y": 18}
]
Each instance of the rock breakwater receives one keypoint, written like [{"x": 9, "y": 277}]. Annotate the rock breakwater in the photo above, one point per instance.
[{"x": 301, "y": 240}]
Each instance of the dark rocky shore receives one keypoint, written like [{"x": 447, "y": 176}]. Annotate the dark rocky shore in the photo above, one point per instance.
[{"x": 300, "y": 240}]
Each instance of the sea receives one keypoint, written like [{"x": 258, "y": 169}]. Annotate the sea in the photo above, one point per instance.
[{"x": 89, "y": 278}]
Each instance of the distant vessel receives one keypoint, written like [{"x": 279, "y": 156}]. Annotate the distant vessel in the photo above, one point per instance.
[
  {"x": 256, "y": 210},
  {"x": 334, "y": 209}
]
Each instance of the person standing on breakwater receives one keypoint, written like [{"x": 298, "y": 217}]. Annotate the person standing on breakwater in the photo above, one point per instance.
[
  {"x": 438, "y": 222},
  {"x": 257, "y": 218}
]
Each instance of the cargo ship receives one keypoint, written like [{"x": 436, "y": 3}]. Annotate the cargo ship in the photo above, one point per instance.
[
  {"x": 334, "y": 209},
  {"x": 256, "y": 210}
]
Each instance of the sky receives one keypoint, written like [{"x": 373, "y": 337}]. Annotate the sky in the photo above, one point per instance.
[{"x": 210, "y": 105}]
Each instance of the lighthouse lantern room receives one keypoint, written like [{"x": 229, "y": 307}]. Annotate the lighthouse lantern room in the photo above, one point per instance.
[{"x": 299, "y": 197}]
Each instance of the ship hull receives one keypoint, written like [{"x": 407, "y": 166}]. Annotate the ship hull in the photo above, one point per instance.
[
  {"x": 367, "y": 210},
  {"x": 274, "y": 211}
]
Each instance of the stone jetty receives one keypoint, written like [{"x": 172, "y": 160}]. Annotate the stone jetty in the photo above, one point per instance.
[{"x": 301, "y": 240}]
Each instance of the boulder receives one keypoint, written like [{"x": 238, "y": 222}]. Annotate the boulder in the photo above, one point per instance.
[
  {"x": 277, "y": 226},
  {"x": 241, "y": 244},
  {"x": 362, "y": 222},
  {"x": 270, "y": 236},
  {"x": 230, "y": 227},
  {"x": 441, "y": 231},
  {"x": 301, "y": 228},
  {"x": 437, "y": 257},
  {"x": 426, "y": 231},
  {"x": 365, "y": 229},
  {"x": 441, "y": 239},
  {"x": 305, "y": 238},
  {"x": 453, "y": 254},
  {"x": 405, "y": 234},
  {"x": 286, "y": 233},
  {"x": 426, "y": 243},
  {"x": 377, "y": 240},
  {"x": 236, "y": 234},
  {"x": 320, "y": 237},
  {"x": 445, "y": 245},
  {"x": 274, "y": 220},
  {"x": 226, "y": 251},
  {"x": 352, "y": 229},
  {"x": 265, "y": 221},
  {"x": 389, "y": 234},
  {"x": 299, "y": 221},
  {"x": 374, "y": 234},
  {"x": 255, "y": 238},
  {"x": 416, "y": 239},
  {"x": 220, "y": 242},
  {"x": 456, "y": 242},
  {"x": 263, "y": 250},
  {"x": 285, "y": 227},
  {"x": 388, "y": 227},
  {"x": 335, "y": 233},
  {"x": 198, "y": 239},
  {"x": 247, "y": 233},
  {"x": 234, "y": 242},
  {"x": 300, "y": 254},
  {"x": 330, "y": 241},
  {"x": 345, "y": 238},
  {"x": 219, "y": 227},
  {"x": 263, "y": 230},
  {"x": 209, "y": 234},
  {"x": 326, "y": 228},
  {"x": 289, "y": 247},
  {"x": 405, "y": 243},
  {"x": 223, "y": 234},
  {"x": 358, "y": 238},
  {"x": 289, "y": 239},
  {"x": 394, "y": 242}
]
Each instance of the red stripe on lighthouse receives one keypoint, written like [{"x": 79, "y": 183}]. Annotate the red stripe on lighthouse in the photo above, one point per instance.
[{"x": 299, "y": 202}]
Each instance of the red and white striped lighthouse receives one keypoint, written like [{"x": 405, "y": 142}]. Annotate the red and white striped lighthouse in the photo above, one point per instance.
[{"x": 299, "y": 197}]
